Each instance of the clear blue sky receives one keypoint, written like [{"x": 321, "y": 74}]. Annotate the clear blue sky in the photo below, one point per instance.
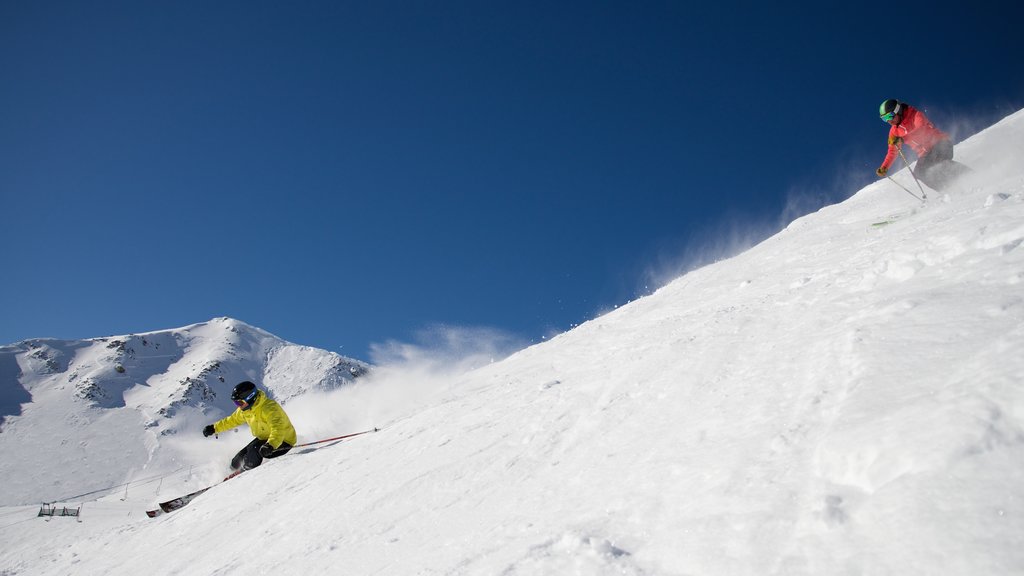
[{"x": 346, "y": 173}]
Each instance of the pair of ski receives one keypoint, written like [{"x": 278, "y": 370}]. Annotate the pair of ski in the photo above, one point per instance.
[{"x": 182, "y": 501}]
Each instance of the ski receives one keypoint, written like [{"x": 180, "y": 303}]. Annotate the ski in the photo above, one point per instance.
[
  {"x": 182, "y": 501},
  {"x": 894, "y": 217}
]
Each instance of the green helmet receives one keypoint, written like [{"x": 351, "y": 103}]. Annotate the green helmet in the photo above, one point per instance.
[{"x": 889, "y": 109}]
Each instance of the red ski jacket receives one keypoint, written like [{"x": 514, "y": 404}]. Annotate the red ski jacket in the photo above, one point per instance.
[{"x": 915, "y": 129}]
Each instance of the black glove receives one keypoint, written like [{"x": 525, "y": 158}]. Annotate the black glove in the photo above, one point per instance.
[
  {"x": 208, "y": 431},
  {"x": 882, "y": 171},
  {"x": 266, "y": 450}
]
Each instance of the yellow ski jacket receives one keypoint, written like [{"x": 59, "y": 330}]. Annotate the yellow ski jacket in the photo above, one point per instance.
[{"x": 266, "y": 420}]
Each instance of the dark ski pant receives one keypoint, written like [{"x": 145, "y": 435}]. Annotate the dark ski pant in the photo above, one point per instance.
[
  {"x": 937, "y": 168},
  {"x": 249, "y": 457}
]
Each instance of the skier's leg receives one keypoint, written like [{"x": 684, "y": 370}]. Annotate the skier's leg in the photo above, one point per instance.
[
  {"x": 248, "y": 457},
  {"x": 236, "y": 462},
  {"x": 935, "y": 168},
  {"x": 281, "y": 450},
  {"x": 252, "y": 454}
]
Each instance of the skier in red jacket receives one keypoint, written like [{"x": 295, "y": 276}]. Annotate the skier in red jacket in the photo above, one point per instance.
[{"x": 935, "y": 165}]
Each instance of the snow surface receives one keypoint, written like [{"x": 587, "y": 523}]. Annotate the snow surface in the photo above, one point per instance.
[{"x": 842, "y": 399}]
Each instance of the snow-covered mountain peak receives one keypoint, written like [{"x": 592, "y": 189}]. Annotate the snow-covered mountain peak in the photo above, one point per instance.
[{"x": 151, "y": 383}]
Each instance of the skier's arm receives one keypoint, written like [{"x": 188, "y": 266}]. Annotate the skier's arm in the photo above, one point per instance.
[
  {"x": 900, "y": 130},
  {"x": 228, "y": 423},
  {"x": 896, "y": 135},
  {"x": 890, "y": 155}
]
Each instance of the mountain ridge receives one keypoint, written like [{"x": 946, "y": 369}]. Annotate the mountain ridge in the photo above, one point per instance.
[{"x": 164, "y": 378}]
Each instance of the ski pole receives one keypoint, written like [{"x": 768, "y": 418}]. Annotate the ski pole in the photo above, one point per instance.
[
  {"x": 923, "y": 194},
  {"x": 905, "y": 188},
  {"x": 337, "y": 438}
]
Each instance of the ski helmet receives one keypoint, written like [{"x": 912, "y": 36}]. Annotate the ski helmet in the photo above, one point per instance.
[
  {"x": 244, "y": 394},
  {"x": 889, "y": 109}
]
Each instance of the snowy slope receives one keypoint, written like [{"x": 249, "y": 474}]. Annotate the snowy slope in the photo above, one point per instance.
[
  {"x": 102, "y": 407},
  {"x": 841, "y": 399}
]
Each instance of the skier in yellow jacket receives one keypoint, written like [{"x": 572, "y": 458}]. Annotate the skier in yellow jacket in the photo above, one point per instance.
[{"x": 268, "y": 422}]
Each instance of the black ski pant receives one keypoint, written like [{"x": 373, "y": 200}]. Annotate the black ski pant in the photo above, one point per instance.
[
  {"x": 937, "y": 169},
  {"x": 250, "y": 457}
]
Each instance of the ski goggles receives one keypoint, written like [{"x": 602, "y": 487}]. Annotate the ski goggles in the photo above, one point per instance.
[
  {"x": 243, "y": 402},
  {"x": 888, "y": 116}
]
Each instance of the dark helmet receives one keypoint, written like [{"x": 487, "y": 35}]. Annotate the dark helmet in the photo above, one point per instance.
[
  {"x": 244, "y": 394},
  {"x": 890, "y": 109}
]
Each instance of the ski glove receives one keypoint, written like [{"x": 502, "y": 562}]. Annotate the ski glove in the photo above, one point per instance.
[
  {"x": 208, "y": 431},
  {"x": 266, "y": 450},
  {"x": 895, "y": 141},
  {"x": 882, "y": 171}
]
